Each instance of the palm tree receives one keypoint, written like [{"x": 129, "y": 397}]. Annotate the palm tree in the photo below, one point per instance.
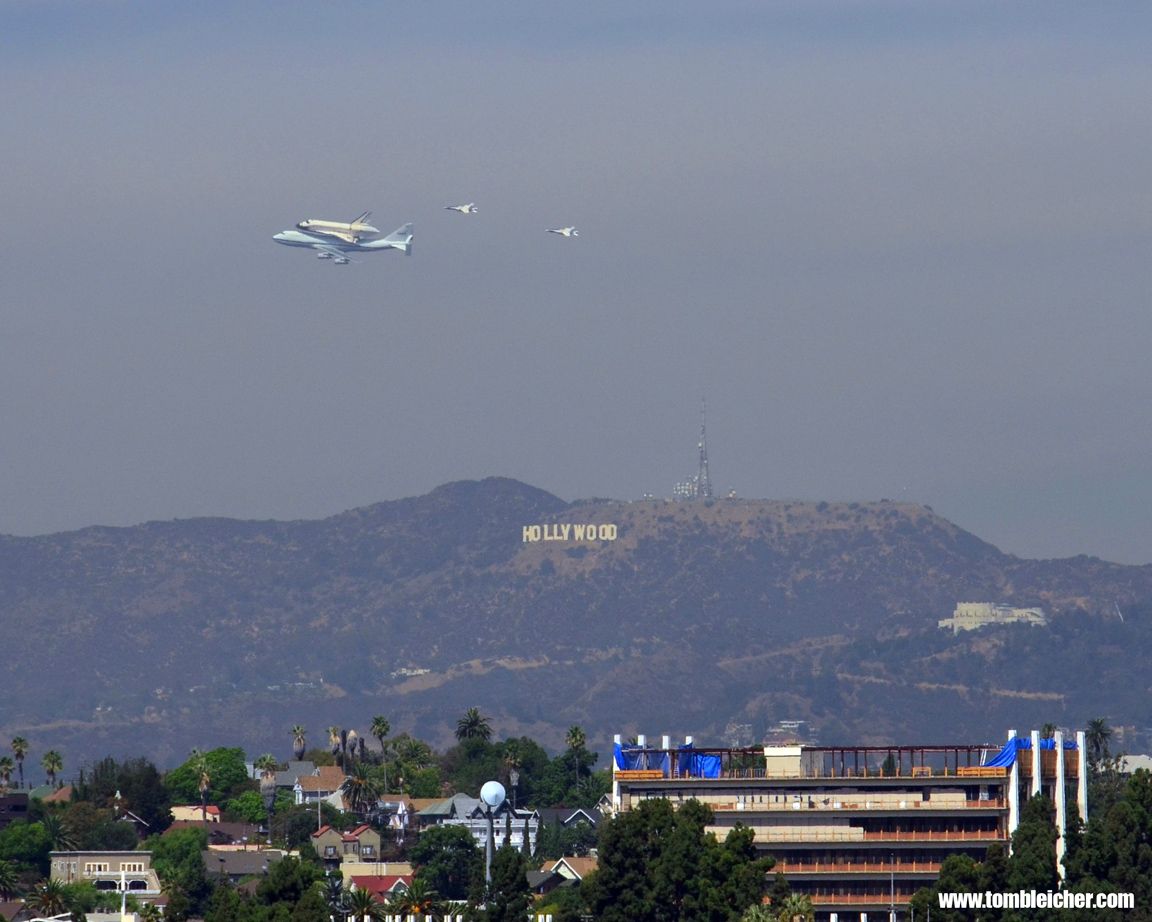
[
  {"x": 335, "y": 896},
  {"x": 150, "y": 912},
  {"x": 19, "y": 750},
  {"x": 59, "y": 833},
  {"x": 48, "y": 898},
  {"x": 298, "y": 742},
  {"x": 380, "y": 729},
  {"x": 334, "y": 739},
  {"x": 363, "y": 905},
  {"x": 266, "y": 765},
  {"x": 418, "y": 900},
  {"x": 52, "y": 763},
  {"x": 473, "y": 726},
  {"x": 360, "y": 789},
  {"x": 414, "y": 754},
  {"x": 200, "y": 767},
  {"x": 796, "y": 908},
  {"x": 349, "y": 743},
  {"x": 1096, "y": 737},
  {"x": 576, "y": 739},
  {"x": 9, "y": 880},
  {"x": 7, "y": 766}
]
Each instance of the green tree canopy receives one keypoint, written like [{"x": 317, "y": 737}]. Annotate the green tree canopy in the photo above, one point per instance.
[
  {"x": 657, "y": 863},
  {"x": 228, "y": 777},
  {"x": 447, "y": 859}
]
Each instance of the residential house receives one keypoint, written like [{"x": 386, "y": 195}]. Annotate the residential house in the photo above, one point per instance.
[
  {"x": 194, "y": 813},
  {"x": 572, "y": 867},
  {"x": 109, "y": 870},
  {"x": 224, "y": 834},
  {"x": 324, "y": 785},
  {"x": 237, "y": 864},
  {"x": 13, "y": 806},
  {"x": 508, "y": 825},
  {"x": 382, "y": 886},
  {"x": 359, "y": 845}
]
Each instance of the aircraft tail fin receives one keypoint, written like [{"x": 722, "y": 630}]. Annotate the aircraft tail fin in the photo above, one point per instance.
[
  {"x": 401, "y": 239},
  {"x": 363, "y": 219}
]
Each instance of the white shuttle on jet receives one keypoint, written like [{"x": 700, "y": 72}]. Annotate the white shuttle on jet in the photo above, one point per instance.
[
  {"x": 348, "y": 231},
  {"x": 337, "y": 250},
  {"x": 563, "y": 231}
]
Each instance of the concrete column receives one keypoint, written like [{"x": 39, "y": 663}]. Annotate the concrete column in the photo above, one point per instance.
[
  {"x": 1061, "y": 806},
  {"x": 1082, "y": 775},
  {"x": 1013, "y": 791},
  {"x": 618, "y": 740},
  {"x": 1035, "y": 762}
]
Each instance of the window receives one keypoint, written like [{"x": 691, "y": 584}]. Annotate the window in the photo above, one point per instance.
[
  {"x": 132, "y": 866},
  {"x": 95, "y": 867}
]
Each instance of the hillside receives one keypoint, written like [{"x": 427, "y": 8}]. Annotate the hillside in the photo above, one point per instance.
[{"x": 168, "y": 635}]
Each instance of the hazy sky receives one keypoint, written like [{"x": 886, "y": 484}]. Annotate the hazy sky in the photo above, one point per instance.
[{"x": 903, "y": 248}]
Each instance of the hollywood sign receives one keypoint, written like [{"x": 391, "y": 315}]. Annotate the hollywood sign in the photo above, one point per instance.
[{"x": 569, "y": 532}]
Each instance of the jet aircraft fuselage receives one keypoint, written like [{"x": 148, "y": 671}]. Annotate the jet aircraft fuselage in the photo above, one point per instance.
[{"x": 338, "y": 250}]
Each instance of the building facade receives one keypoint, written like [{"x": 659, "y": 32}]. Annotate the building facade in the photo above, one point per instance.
[
  {"x": 861, "y": 829},
  {"x": 968, "y": 616},
  {"x": 117, "y": 871}
]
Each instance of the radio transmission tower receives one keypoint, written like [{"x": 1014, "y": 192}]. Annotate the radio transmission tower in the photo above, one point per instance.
[{"x": 703, "y": 481}]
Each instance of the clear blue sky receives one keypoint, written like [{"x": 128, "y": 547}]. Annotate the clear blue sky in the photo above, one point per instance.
[{"x": 903, "y": 248}]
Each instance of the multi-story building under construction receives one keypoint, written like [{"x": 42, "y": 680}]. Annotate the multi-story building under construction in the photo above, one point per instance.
[{"x": 859, "y": 829}]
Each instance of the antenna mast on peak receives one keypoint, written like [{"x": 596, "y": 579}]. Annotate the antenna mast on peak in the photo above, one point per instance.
[{"x": 703, "y": 481}]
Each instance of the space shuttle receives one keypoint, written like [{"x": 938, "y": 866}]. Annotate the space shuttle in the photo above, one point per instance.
[{"x": 349, "y": 232}]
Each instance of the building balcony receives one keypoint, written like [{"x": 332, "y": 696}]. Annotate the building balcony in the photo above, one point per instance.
[
  {"x": 842, "y": 869},
  {"x": 839, "y": 806}
]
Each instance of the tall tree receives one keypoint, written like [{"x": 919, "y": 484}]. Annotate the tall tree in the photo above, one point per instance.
[
  {"x": 363, "y": 906},
  {"x": 380, "y": 729},
  {"x": 204, "y": 780},
  {"x": 657, "y": 863},
  {"x": 53, "y": 764},
  {"x": 418, "y": 900},
  {"x": 447, "y": 859},
  {"x": 576, "y": 740},
  {"x": 509, "y": 898},
  {"x": 1032, "y": 863},
  {"x": 49, "y": 898},
  {"x": 473, "y": 725},
  {"x": 9, "y": 880},
  {"x": 299, "y": 741},
  {"x": 19, "y": 751},
  {"x": 360, "y": 789},
  {"x": 7, "y": 766},
  {"x": 1097, "y": 735}
]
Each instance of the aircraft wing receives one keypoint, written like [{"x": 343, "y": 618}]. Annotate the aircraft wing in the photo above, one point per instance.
[{"x": 331, "y": 251}]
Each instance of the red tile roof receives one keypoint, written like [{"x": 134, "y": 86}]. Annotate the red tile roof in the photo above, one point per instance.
[{"x": 381, "y": 884}]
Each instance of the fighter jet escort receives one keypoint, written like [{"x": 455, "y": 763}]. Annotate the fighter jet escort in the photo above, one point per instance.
[
  {"x": 337, "y": 250},
  {"x": 563, "y": 231},
  {"x": 470, "y": 208},
  {"x": 349, "y": 232}
]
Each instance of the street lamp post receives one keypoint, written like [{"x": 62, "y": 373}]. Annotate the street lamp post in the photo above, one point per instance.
[{"x": 492, "y": 794}]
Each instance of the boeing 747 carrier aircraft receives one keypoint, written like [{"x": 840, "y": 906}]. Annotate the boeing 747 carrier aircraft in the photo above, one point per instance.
[{"x": 337, "y": 250}]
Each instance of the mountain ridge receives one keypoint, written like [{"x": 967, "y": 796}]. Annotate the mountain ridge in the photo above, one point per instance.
[{"x": 166, "y": 635}]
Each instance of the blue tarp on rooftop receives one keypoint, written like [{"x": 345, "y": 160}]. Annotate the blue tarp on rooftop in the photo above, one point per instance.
[
  {"x": 631, "y": 758},
  {"x": 1007, "y": 755}
]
